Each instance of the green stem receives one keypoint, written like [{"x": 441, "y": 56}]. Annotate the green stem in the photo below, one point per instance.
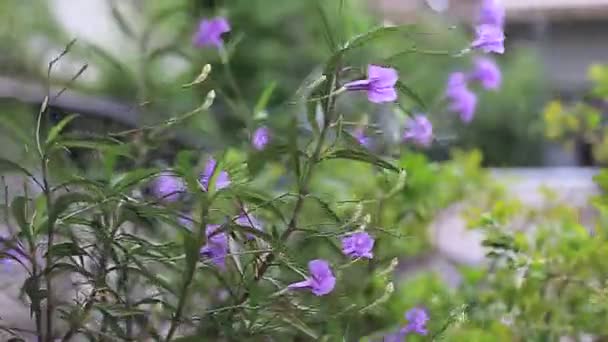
[
  {"x": 49, "y": 258},
  {"x": 303, "y": 189},
  {"x": 175, "y": 321}
]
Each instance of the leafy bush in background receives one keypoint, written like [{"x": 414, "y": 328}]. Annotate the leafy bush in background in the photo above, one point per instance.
[
  {"x": 582, "y": 122},
  {"x": 154, "y": 64}
]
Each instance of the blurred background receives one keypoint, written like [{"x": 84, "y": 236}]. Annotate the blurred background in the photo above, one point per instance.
[{"x": 132, "y": 56}]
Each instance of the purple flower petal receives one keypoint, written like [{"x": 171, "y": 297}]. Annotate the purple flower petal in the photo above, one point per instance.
[
  {"x": 221, "y": 181},
  {"x": 321, "y": 281},
  {"x": 168, "y": 187},
  {"x": 380, "y": 84},
  {"x": 419, "y": 130},
  {"x": 491, "y": 12},
  {"x": 363, "y": 139},
  {"x": 487, "y": 73},
  {"x": 210, "y": 32},
  {"x": 416, "y": 321},
  {"x": 216, "y": 247},
  {"x": 358, "y": 245},
  {"x": 461, "y": 100},
  {"x": 489, "y": 38},
  {"x": 249, "y": 220},
  {"x": 261, "y": 137}
]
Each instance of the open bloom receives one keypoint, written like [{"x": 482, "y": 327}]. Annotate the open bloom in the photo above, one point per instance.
[
  {"x": 358, "y": 245},
  {"x": 261, "y": 138},
  {"x": 168, "y": 187},
  {"x": 222, "y": 180},
  {"x": 321, "y": 280},
  {"x": 416, "y": 321},
  {"x": 419, "y": 130},
  {"x": 248, "y": 220},
  {"x": 216, "y": 247},
  {"x": 489, "y": 38},
  {"x": 210, "y": 32},
  {"x": 380, "y": 84},
  {"x": 487, "y": 73},
  {"x": 491, "y": 12},
  {"x": 461, "y": 99}
]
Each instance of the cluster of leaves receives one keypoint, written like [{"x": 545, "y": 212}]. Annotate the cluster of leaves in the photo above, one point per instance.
[
  {"x": 582, "y": 121},
  {"x": 544, "y": 280}
]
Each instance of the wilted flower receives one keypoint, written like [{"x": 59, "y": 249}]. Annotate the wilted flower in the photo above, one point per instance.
[
  {"x": 380, "y": 84},
  {"x": 358, "y": 245},
  {"x": 216, "y": 247},
  {"x": 261, "y": 137},
  {"x": 168, "y": 187},
  {"x": 321, "y": 280},
  {"x": 419, "y": 130},
  {"x": 461, "y": 100},
  {"x": 487, "y": 73},
  {"x": 491, "y": 12},
  {"x": 222, "y": 180},
  {"x": 416, "y": 321},
  {"x": 248, "y": 220},
  {"x": 210, "y": 32},
  {"x": 489, "y": 38},
  {"x": 416, "y": 324},
  {"x": 363, "y": 139}
]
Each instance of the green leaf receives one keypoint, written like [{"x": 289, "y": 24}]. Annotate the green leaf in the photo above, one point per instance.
[
  {"x": 326, "y": 207},
  {"x": 105, "y": 145},
  {"x": 256, "y": 160},
  {"x": 133, "y": 178},
  {"x": 362, "y": 156},
  {"x": 311, "y": 115},
  {"x": 301, "y": 326},
  {"x": 293, "y": 148},
  {"x": 66, "y": 249},
  {"x": 19, "y": 210},
  {"x": 264, "y": 99},
  {"x": 371, "y": 35},
  {"x": 192, "y": 246},
  {"x": 259, "y": 199},
  {"x": 9, "y": 166},
  {"x": 410, "y": 93},
  {"x": 58, "y": 128},
  {"x": 63, "y": 202},
  {"x": 327, "y": 30}
]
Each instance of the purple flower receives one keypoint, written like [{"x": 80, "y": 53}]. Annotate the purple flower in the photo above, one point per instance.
[
  {"x": 416, "y": 321},
  {"x": 489, "y": 38},
  {"x": 358, "y": 245},
  {"x": 210, "y": 32},
  {"x": 363, "y": 139},
  {"x": 419, "y": 130},
  {"x": 491, "y": 12},
  {"x": 380, "y": 84},
  {"x": 248, "y": 220},
  {"x": 461, "y": 100},
  {"x": 321, "y": 280},
  {"x": 168, "y": 187},
  {"x": 487, "y": 73},
  {"x": 261, "y": 137},
  {"x": 222, "y": 180},
  {"x": 216, "y": 247}
]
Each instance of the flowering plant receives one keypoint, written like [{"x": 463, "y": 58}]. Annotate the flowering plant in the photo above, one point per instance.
[{"x": 221, "y": 245}]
